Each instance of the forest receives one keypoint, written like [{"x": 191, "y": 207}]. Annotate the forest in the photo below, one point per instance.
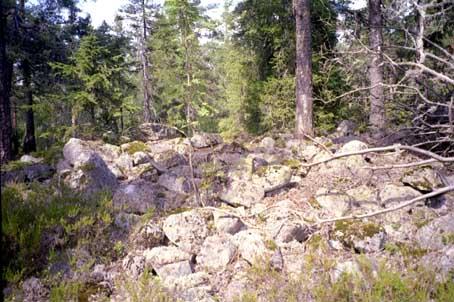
[{"x": 235, "y": 150}]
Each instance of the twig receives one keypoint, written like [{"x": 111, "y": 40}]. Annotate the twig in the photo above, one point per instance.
[{"x": 398, "y": 207}]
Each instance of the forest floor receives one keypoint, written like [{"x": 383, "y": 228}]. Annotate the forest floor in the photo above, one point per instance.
[{"x": 166, "y": 218}]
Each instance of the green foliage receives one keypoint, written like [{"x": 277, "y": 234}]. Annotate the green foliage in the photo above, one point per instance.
[
  {"x": 29, "y": 212},
  {"x": 146, "y": 289}
]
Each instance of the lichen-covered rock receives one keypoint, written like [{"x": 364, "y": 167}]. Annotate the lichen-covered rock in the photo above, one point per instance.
[
  {"x": 347, "y": 267},
  {"x": 149, "y": 235},
  {"x": 168, "y": 261},
  {"x": 364, "y": 197},
  {"x": 251, "y": 246},
  {"x": 169, "y": 159},
  {"x": 335, "y": 202},
  {"x": 442, "y": 262},
  {"x": 392, "y": 193},
  {"x": 140, "y": 158},
  {"x": 204, "y": 140},
  {"x": 138, "y": 197},
  {"x": 90, "y": 174},
  {"x": 267, "y": 143},
  {"x": 291, "y": 256},
  {"x": 34, "y": 290},
  {"x": 153, "y": 132},
  {"x": 225, "y": 223},
  {"x": 437, "y": 234},
  {"x": 247, "y": 188},
  {"x": 422, "y": 179},
  {"x": 134, "y": 265},
  {"x": 242, "y": 192},
  {"x": 174, "y": 182},
  {"x": 353, "y": 146},
  {"x": 364, "y": 237},
  {"x": 191, "y": 287},
  {"x": 216, "y": 252},
  {"x": 187, "y": 230},
  {"x": 288, "y": 231},
  {"x": 273, "y": 177}
]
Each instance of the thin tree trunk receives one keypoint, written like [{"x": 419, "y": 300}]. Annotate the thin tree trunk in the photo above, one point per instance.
[
  {"x": 74, "y": 117},
  {"x": 5, "y": 82},
  {"x": 147, "y": 93},
  {"x": 377, "y": 117},
  {"x": 304, "y": 100},
  {"x": 29, "y": 139}
]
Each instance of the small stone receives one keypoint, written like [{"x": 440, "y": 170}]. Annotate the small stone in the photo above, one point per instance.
[
  {"x": 30, "y": 159},
  {"x": 225, "y": 223},
  {"x": 335, "y": 202},
  {"x": 140, "y": 158},
  {"x": 204, "y": 140},
  {"x": 267, "y": 143},
  {"x": 392, "y": 193}
]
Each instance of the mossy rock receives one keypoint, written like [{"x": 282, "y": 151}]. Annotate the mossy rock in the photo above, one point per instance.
[
  {"x": 134, "y": 147},
  {"x": 350, "y": 231}
]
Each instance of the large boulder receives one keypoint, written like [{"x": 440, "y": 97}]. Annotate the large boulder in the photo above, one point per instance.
[
  {"x": 216, "y": 252},
  {"x": 187, "y": 230},
  {"x": 84, "y": 170},
  {"x": 248, "y": 187},
  {"x": 138, "y": 197}
]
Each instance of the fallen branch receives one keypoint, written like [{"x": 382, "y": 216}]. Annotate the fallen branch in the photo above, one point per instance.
[
  {"x": 398, "y": 207},
  {"x": 401, "y": 166},
  {"x": 383, "y": 149}
]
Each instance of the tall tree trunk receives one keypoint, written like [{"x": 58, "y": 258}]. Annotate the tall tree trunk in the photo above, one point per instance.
[
  {"x": 377, "y": 117},
  {"x": 29, "y": 139},
  {"x": 147, "y": 93},
  {"x": 5, "y": 87},
  {"x": 5, "y": 122},
  {"x": 304, "y": 100},
  {"x": 15, "y": 135}
]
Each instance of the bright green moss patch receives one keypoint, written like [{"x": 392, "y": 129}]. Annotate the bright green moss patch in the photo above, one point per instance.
[
  {"x": 292, "y": 163},
  {"x": 136, "y": 146}
]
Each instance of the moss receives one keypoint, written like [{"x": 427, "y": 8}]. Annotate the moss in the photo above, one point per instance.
[
  {"x": 14, "y": 166},
  {"x": 448, "y": 239},
  {"x": 271, "y": 245},
  {"x": 177, "y": 211},
  {"x": 350, "y": 231},
  {"x": 87, "y": 167},
  {"x": 292, "y": 163},
  {"x": 407, "y": 251},
  {"x": 314, "y": 203},
  {"x": 136, "y": 146}
]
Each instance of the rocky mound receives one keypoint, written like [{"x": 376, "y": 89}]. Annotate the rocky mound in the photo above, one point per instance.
[{"x": 222, "y": 210}]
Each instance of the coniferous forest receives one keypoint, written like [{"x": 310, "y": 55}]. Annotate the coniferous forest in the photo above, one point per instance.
[{"x": 234, "y": 150}]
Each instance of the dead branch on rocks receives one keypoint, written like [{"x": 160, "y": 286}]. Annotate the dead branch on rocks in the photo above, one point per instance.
[
  {"x": 392, "y": 209},
  {"x": 395, "y": 148}
]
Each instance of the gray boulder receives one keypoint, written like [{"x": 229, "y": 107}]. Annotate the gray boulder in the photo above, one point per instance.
[
  {"x": 176, "y": 183},
  {"x": 216, "y": 253},
  {"x": 138, "y": 197},
  {"x": 204, "y": 140},
  {"x": 437, "y": 234},
  {"x": 422, "y": 179},
  {"x": 187, "y": 230}
]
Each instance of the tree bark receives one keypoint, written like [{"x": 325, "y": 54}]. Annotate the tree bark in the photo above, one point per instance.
[
  {"x": 147, "y": 94},
  {"x": 29, "y": 139},
  {"x": 5, "y": 89},
  {"x": 304, "y": 99},
  {"x": 377, "y": 117}
]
